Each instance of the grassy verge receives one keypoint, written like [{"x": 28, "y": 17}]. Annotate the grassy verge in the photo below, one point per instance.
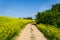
[{"x": 51, "y": 32}]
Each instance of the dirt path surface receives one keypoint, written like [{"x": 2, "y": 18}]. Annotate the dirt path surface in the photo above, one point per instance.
[{"x": 30, "y": 32}]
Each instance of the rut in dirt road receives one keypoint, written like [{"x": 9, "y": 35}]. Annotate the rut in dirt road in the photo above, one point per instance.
[{"x": 30, "y": 32}]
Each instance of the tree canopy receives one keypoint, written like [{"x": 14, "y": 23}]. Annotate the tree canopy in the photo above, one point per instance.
[{"x": 51, "y": 16}]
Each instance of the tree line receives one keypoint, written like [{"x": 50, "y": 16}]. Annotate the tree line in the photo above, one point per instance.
[{"x": 51, "y": 16}]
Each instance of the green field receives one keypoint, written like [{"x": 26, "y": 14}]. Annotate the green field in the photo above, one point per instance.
[
  {"x": 51, "y": 32},
  {"x": 10, "y": 27}
]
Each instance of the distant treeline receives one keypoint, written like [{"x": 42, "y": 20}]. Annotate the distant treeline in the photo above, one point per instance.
[
  {"x": 30, "y": 18},
  {"x": 51, "y": 16}
]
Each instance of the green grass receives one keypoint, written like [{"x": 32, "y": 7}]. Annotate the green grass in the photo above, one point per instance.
[
  {"x": 51, "y": 32},
  {"x": 10, "y": 27}
]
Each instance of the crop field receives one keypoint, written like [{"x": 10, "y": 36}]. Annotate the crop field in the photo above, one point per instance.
[
  {"x": 51, "y": 32},
  {"x": 10, "y": 27}
]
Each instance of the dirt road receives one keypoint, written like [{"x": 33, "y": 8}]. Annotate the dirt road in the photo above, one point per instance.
[{"x": 30, "y": 32}]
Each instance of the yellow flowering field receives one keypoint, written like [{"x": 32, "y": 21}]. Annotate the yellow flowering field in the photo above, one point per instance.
[
  {"x": 9, "y": 27},
  {"x": 51, "y": 32}
]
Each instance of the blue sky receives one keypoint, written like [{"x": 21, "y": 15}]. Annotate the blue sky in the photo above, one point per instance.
[{"x": 24, "y": 8}]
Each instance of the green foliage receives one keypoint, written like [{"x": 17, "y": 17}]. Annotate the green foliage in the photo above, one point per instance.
[
  {"x": 9, "y": 27},
  {"x": 51, "y": 32},
  {"x": 30, "y": 18},
  {"x": 49, "y": 16}
]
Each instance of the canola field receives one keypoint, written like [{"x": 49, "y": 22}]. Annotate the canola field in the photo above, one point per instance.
[
  {"x": 51, "y": 32},
  {"x": 10, "y": 27}
]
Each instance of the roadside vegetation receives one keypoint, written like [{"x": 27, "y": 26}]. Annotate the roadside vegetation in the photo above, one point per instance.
[
  {"x": 51, "y": 32},
  {"x": 51, "y": 16},
  {"x": 10, "y": 27},
  {"x": 49, "y": 22}
]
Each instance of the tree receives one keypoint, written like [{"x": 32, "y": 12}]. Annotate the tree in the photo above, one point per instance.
[
  {"x": 51, "y": 16},
  {"x": 30, "y": 18}
]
